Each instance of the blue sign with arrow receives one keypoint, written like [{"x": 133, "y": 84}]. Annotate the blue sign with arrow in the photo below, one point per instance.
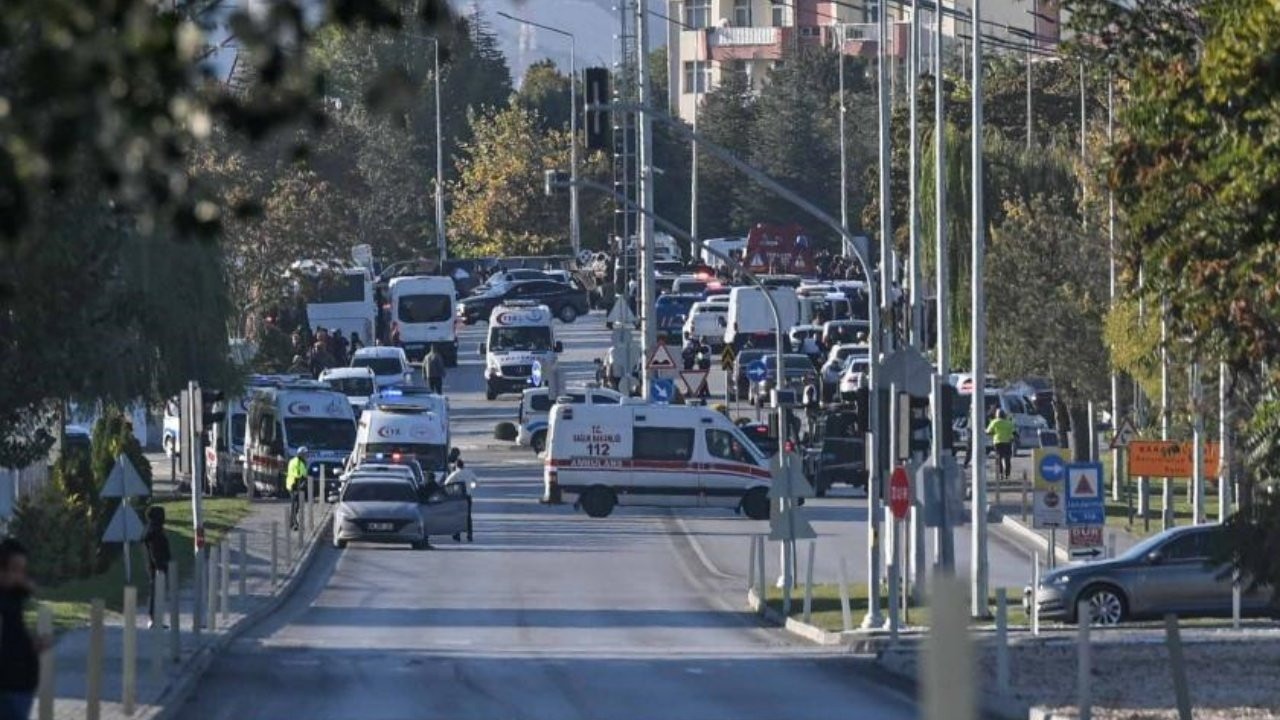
[
  {"x": 756, "y": 371},
  {"x": 1052, "y": 468},
  {"x": 663, "y": 390}
]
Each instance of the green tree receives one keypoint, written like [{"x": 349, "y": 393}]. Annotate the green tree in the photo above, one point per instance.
[
  {"x": 545, "y": 91},
  {"x": 726, "y": 118}
]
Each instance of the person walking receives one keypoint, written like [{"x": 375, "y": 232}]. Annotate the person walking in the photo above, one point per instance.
[
  {"x": 295, "y": 478},
  {"x": 433, "y": 370},
  {"x": 158, "y": 556},
  {"x": 19, "y": 650},
  {"x": 1002, "y": 432}
]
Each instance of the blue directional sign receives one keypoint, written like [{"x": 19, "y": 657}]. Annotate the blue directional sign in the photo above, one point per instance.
[
  {"x": 663, "y": 389},
  {"x": 756, "y": 371},
  {"x": 1084, "y": 493},
  {"x": 1052, "y": 467},
  {"x": 535, "y": 374}
]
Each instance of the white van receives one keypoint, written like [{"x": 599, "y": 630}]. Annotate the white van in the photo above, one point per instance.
[
  {"x": 520, "y": 334},
  {"x": 292, "y": 414},
  {"x": 535, "y": 405},
  {"x": 357, "y": 383},
  {"x": 393, "y": 426},
  {"x": 600, "y": 456},
  {"x": 749, "y": 313},
  {"x": 389, "y": 364},
  {"x": 707, "y": 320},
  {"x": 422, "y": 315}
]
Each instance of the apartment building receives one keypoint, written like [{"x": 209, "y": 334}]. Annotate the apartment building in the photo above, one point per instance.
[{"x": 708, "y": 38}]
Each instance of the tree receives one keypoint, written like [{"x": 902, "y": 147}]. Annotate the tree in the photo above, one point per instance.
[
  {"x": 726, "y": 118},
  {"x": 545, "y": 91}
]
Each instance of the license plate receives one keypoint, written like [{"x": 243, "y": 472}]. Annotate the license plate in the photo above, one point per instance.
[{"x": 381, "y": 526}]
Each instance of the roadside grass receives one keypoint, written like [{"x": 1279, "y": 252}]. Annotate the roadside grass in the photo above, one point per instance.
[
  {"x": 70, "y": 601},
  {"x": 828, "y": 616}
]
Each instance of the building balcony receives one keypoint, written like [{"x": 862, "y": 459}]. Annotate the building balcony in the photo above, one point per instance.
[{"x": 747, "y": 43}]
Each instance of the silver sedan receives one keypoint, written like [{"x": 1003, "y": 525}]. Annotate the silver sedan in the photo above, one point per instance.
[{"x": 381, "y": 509}]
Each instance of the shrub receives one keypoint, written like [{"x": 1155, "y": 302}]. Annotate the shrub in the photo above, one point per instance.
[{"x": 59, "y": 529}]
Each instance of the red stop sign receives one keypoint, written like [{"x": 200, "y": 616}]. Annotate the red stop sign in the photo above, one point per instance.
[{"x": 899, "y": 493}]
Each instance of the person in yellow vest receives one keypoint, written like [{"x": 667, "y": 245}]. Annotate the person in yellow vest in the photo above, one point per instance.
[
  {"x": 1002, "y": 432},
  {"x": 295, "y": 477}
]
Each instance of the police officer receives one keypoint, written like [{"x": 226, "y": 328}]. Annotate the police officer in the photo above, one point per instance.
[{"x": 295, "y": 477}]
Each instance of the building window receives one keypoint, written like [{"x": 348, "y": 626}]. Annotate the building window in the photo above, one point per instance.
[
  {"x": 697, "y": 77},
  {"x": 742, "y": 13},
  {"x": 697, "y": 14},
  {"x": 779, "y": 14}
]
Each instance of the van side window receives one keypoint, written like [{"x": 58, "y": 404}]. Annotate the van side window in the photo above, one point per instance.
[
  {"x": 602, "y": 399},
  {"x": 540, "y": 402},
  {"x": 724, "y": 445},
  {"x": 651, "y": 443}
]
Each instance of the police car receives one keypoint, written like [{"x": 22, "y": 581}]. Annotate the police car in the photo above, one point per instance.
[
  {"x": 520, "y": 335},
  {"x": 536, "y": 403},
  {"x": 601, "y": 456}
]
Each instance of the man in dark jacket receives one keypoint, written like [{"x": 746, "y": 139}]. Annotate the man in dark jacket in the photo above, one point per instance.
[
  {"x": 433, "y": 370},
  {"x": 19, "y": 650},
  {"x": 158, "y": 556}
]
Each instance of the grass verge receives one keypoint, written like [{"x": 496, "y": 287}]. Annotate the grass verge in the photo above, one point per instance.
[
  {"x": 828, "y": 616},
  {"x": 70, "y": 601}
]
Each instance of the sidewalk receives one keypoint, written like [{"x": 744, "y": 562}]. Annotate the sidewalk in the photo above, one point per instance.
[{"x": 158, "y": 691}]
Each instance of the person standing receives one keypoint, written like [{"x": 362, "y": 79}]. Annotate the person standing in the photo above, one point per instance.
[
  {"x": 1002, "y": 432},
  {"x": 295, "y": 478},
  {"x": 158, "y": 556},
  {"x": 19, "y": 650},
  {"x": 433, "y": 370}
]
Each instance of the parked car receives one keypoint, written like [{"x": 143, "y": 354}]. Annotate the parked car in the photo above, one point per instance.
[
  {"x": 833, "y": 366},
  {"x": 1172, "y": 572},
  {"x": 740, "y": 381},
  {"x": 797, "y": 372},
  {"x": 565, "y": 301},
  {"x": 834, "y": 449}
]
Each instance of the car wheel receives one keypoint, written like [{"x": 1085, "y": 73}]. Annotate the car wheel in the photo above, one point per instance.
[
  {"x": 1107, "y": 605},
  {"x": 340, "y": 544},
  {"x": 539, "y": 441},
  {"x": 755, "y": 504},
  {"x": 568, "y": 313},
  {"x": 598, "y": 502}
]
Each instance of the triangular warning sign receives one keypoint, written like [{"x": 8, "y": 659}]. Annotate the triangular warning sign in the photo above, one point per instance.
[
  {"x": 662, "y": 359},
  {"x": 790, "y": 524},
  {"x": 1084, "y": 488},
  {"x": 756, "y": 260},
  {"x": 693, "y": 382},
  {"x": 1124, "y": 435}
]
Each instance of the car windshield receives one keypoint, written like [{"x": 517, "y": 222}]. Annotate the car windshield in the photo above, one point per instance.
[
  {"x": 533, "y": 337},
  {"x": 424, "y": 308},
  {"x": 379, "y": 492},
  {"x": 320, "y": 433},
  {"x": 429, "y": 456},
  {"x": 844, "y": 332},
  {"x": 691, "y": 286},
  {"x": 379, "y": 365},
  {"x": 846, "y": 352},
  {"x": 857, "y": 363},
  {"x": 237, "y": 430},
  {"x": 352, "y": 386},
  {"x": 793, "y": 363}
]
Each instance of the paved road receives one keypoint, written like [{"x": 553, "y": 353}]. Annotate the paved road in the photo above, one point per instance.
[{"x": 548, "y": 614}]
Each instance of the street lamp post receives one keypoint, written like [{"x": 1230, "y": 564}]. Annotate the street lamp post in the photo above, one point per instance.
[
  {"x": 575, "y": 235},
  {"x": 440, "y": 228},
  {"x": 977, "y": 438}
]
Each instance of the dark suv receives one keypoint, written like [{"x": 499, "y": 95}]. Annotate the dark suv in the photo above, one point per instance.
[{"x": 565, "y": 301}]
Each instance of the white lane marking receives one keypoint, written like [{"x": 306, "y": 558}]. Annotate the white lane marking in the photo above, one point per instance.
[{"x": 698, "y": 551}]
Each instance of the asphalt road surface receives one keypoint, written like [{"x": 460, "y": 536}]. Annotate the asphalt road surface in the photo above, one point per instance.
[{"x": 548, "y": 614}]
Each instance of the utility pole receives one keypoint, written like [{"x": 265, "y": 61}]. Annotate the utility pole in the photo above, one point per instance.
[
  {"x": 913, "y": 220},
  {"x": 649, "y": 336},
  {"x": 1225, "y": 490},
  {"x": 844, "y": 165},
  {"x": 575, "y": 228},
  {"x": 1166, "y": 492},
  {"x": 978, "y": 559},
  {"x": 1111, "y": 254},
  {"x": 1029, "y": 131},
  {"x": 440, "y": 230},
  {"x": 944, "y": 545},
  {"x": 693, "y": 165},
  {"x": 1197, "y": 446}
]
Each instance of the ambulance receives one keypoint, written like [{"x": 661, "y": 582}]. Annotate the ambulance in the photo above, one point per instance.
[
  {"x": 520, "y": 335},
  {"x": 601, "y": 456},
  {"x": 404, "y": 426},
  {"x": 287, "y": 415},
  {"x": 224, "y": 455}
]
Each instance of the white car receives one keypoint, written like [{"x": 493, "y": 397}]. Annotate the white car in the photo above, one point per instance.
[
  {"x": 833, "y": 366},
  {"x": 357, "y": 383},
  {"x": 389, "y": 364},
  {"x": 854, "y": 375},
  {"x": 378, "y": 507},
  {"x": 706, "y": 320}
]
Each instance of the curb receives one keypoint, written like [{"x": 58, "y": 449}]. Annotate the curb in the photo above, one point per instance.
[
  {"x": 1029, "y": 536},
  {"x": 176, "y": 693},
  {"x": 1039, "y": 713}
]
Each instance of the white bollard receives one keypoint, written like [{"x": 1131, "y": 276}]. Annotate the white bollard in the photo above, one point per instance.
[
  {"x": 159, "y": 598},
  {"x": 1084, "y": 669},
  {"x": 244, "y": 569},
  {"x": 1111, "y": 545},
  {"x": 275, "y": 553},
  {"x": 1235, "y": 603},
  {"x": 751, "y": 564},
  {"x": 224, "y": 583},
  {"x": 1178, "y": 666},
  {"x": 44, "y": 628},
  {"x": 760, "y": 582},
  {"x": 1035, "y": 588},
  {"x": 175, "y": 631},
  {"x": 288, "y": 548},
  {"x": 211, "y": 582},
  {"x": 311, "y": 507},
  {"x": 845, "y": 616},
  {"x": 93, "y": 675},
  {"x": 1002, "y": 641},
  {"x": 948, "y": 683},
  {"x": 129, "y": 651},
  {"x": 808, "y": 583}
]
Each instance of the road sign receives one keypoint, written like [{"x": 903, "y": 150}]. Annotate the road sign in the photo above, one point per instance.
[
  {"x": 662, "y": 390},
  {"x": 1165, "y": 458},
  {"x": 1048, "y": 497},
  {"x": 790, "y": 524},
  {"x": 757, "y": 371},
  {"x": 125, "y": 526},
  {"x": 620, "y": 313},
  {"x": 788, "y": 481},
  {"x": 899, "y": 492},
  {"x": 693, "y": 383},
  {"x": 1124, "y": 435},
  {"x": 124, "y": 480},
  {"x": 1085, "y": 542},
  {"x": 662, "y": 359},
  {"x": 1085, "y": 494},
  {"x": 535, "y": 373},
  {"x": 727, "y": 358}
]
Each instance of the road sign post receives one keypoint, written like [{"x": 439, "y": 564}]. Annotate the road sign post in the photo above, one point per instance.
[
  {"x": 1086, "y": 512},
  {"x": 125, "y": 527},
  {"x": 788, "y": 524},
  {"x": 1048, "y": 495}
]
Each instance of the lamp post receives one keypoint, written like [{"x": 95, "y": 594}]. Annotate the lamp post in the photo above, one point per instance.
[
  {"x": 575, "y": 236},
  {"x": 440, "y": 229}
]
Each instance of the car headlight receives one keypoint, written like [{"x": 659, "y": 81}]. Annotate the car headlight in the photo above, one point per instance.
[{"x": 1061, "y": 580}]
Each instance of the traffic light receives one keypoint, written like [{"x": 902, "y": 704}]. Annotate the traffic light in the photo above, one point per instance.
[
  {"x": 212, "y": 407},
  {"x": 597, "y": 124}
]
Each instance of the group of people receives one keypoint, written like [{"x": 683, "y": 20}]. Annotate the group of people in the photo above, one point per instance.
[{"x": 326, "y": 350}]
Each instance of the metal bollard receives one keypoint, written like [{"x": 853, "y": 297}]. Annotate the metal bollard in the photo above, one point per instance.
[
  {"x": 1178, "y": 666},
  {"x": 288, "y": 548},
  {"x": 751, "y": 564},
  {"x": 211, "y": 598},
  {"x": 44, "y": 628},
  {"x": 302, "y": 540},
  {"x": 1002, "y": 640},
  {"x": 760, "y": 586},
  {"x": 244, "y": 569},
  {"x": 175, "y": 631},
  {"x": 1111, "y": 545},
  {"x": 808, "y": 583},
  {"x": 275, "y": 558},
  {"x": 845, "y": 616},
  {"x": 93, "y": 677},
  {"x": 224, "y": 584},
  {"x": 129, "y": 651},
  {"x": 1084, "y": 662},
  {"x": 1024, "y": 495},
  {"x": 948, "y": 690},
  {"x": 1035, "y": 586},
  {"x": 159, "y": 598},
  {"x": 309, "y": 496}
]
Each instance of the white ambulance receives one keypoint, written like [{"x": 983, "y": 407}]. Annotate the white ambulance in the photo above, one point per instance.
[
  {"x": 290, "y": 414},
  {"x": 520, "y": 334},
  {"x": 404, "y": 426},
  {"x": 600, "y": 456},
  {"x": 422, "y": 315}
]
